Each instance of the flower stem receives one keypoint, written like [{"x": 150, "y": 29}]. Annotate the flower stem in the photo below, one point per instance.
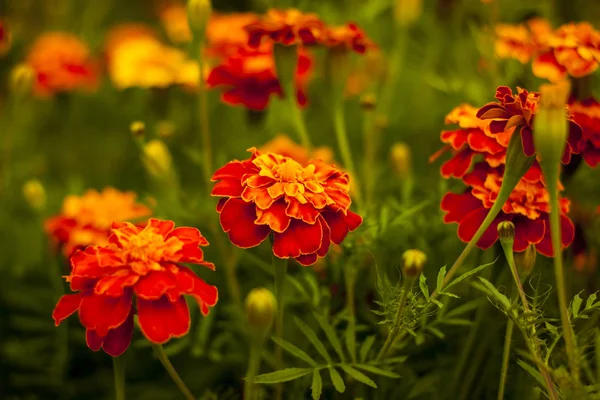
[
  {"x": 204, "y": 120},
  {"x": 510, "y": 325},
  {"x": 393, "y": 333},
  {"x": 119, "y": 372},
  {"x": 555, "y": 230},
  {"x": 342, "y": 138},
  {"x": 350, "y": 280},
  {"x": 164, "y": 359},
  {"x": 253, "y": 366},
  {"x": 280, "y": 268},
  {"x": 297, "y": 117}
]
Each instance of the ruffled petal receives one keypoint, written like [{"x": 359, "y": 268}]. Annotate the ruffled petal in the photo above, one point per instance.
[
  {"x": 274, "y": 217},
  {"x": 237, "y": 219},
  {"x": 527, "y": 232},
  {"x": 67, "y": 305},
  {"x": 306, "y": 212},
  {"x": 300, "y": 238},
  {"x": 469, "y": 225},
  {"x": 155, "y": 284},
  {"x": 102, "y": 313},
  {"x": 341, "y": 224},
  {"x": 115, "y": 284},
  {"x": 161, "y": 319}
]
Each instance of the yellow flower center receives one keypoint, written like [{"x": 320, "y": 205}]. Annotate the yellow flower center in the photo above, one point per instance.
[{"x": 288, "y": 171}]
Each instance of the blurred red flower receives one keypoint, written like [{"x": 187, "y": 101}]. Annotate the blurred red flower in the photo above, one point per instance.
[
  {"x": 249, "y": 78},
  {"x": 86, "y": 220},
  {"x": 348, "y": 36},
  {"x": 587, "y": 114},
  {"x": 287, "y": 27},
  {"x": 518, "y": 111},
  {"x": 5, "y": 38},
  {"x": 62, "y": 63},
  {"x": 141, "y": 261},
  {"x": 303, "y": 207},
  {"x": 527, "y": 207}
]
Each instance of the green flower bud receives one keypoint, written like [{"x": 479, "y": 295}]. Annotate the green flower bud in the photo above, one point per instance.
[
  {"x": 414, "y": 262},
  {"x": 506, "y": 232},
  {"x": 198, "y": 12},
  {"x": 157, "y": 159},
  {"x": 525, "y": 261},
  {"x": 137, "y": 128},
  {"x": 21, "y": 79},
  {"x": 261, "y": 308}
]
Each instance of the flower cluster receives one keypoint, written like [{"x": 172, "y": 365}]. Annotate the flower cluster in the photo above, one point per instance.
[
  {"x": 573, "y": 49},
  {"x": 587, "y": 114},
  {"x": 86, "y": 220},
  {"x": 302, "y": 207},
  {"x": 141, "y": 262},
  {"x": 486, "y": 132}
]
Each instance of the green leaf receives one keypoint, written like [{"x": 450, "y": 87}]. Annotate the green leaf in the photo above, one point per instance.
[
  {"x": 590, "y": 300},
  {"x": 365, "y": 347},
  {"x": 437, "y": 303},
  {"x": 462, "y": 309},
  {"x": 423, "y": 286},
  {"x": 468, "y": 274},
  {"x": 576, "y": 305},
  {"x": 283, "y": 375},
  {"x": 532, "y": 371},
  {"x": 436, "y": 332},
  {"x": 317, "y": 385},
  {"x": 492, "y": 291},
  {"x": 449, "y": 295},
  {"x": 295, "y": 351},
  {"x": 456, "y": 321},
  {"x": 378, "y": 371},
  {"x": 337, "y": 380},
  {"x": 350, "y": 335},
  {"x": 312, "y": 337},
  {"x": 440, "y": 279},
  {"x": 359, "y": 376},
  {"x": 331, "y": 335}
]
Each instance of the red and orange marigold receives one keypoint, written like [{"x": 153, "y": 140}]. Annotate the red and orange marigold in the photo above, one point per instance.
[
  {"x": 587, "y": 114},
  {"x": 303, "y": 207},
  {"x": 141, "y": 262},
  {"x": 86, "y": 220},
  {"x": 62, "y": 63},
  {"x": 288, "y": 27}
]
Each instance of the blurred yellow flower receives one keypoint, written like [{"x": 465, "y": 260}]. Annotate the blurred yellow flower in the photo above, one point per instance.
[
  {"x": 157, "y": 159},
  {"x": 34, "y": 194}
]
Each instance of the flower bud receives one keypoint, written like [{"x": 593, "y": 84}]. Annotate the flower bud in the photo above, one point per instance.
[
  {"x": 261, "y": 308},
  {"x": 165, "y": 129},
  {"x": 137, "y": 128},
  {"x": 407, "y": 11},
  {"x": 21, "y": 79},
  {"x": 157, "y": 159},
  {"x": 525, "y": 261},
  {"x": 414, "y": 262},
  {"x": 198, "y": 12},
  {"x": 368, "y": 101},
  {"x": 550, "y": 126},
  {"x": 34, "y": 194},
  {"x": 400, "y": 157},
  {"x": 506, "y": 232}
]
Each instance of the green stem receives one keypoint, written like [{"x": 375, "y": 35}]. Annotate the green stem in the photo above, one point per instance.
[
  {"x": 253, "y": 366},
  {"x": 204, "y": 120},
  {"x": 505, "y": 358},
  {"x": 393, "y": 333},
  {"x": 297, "y": 117},
  {"x": 280, "y": 268},
  {"x": 395, "y": 67},
  {"x": 371, "y": 144},
  {"x": 344, "y": 146},
  {"x": 164, "y": 359},
  {"x": 350, "y": 280},
  {"x": 119, "y": 372},
  {"x": 555, "y": 230}
]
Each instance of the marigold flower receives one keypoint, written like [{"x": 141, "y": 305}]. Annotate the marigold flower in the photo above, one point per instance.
[
  {"x": 523, "y": 41},
  {"x": 226, "y": 33},
  {"x": 527, "y": 208},
  {"x": 122, "y": 33},
  {"x": 587, "y": 114},
  {"x": 348, "y": 36},
  {"x": 287, "y": 27},
  {"x": 572, "y": 49},
  {"x": 141, "y": 261},
  {"x": 62, "y": 63},
  {"x": 518, "y": 111},
  {"x": 86, "y": 220},
  {"x": 5, "y": 38},
  {"x": 303, "y": 207},
  {"x": 249, "y": 78},
  {"x": 284, "y": 146}
]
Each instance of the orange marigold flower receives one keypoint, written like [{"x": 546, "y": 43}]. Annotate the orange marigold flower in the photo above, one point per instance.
[
  {"x": 587, "y": 114},
  {"x": 141, "y": 261},
  {"x": 284, "y": 146},
  {"x": 122, "y": 33},
  {"x": 287, "y": 27},
  {"x": 86, "y": 220},
  {"x": 522, "y": 41},
  {"x": 61, "y": 63},
  {"x": 518, "y": 111},
  {"x": 249, "y": 78},
  {"x": 527, "y": 208},
  {"x": 303, "y": 207},
  {"x": 175, "y": 21},
  {"x": 226, "y": 33},
  {"x": 348, "y": 36}
]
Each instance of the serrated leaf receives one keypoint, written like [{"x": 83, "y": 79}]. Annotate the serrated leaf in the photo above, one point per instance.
[
  {"x": 423, "y": 286},
  {"x": 494, "y": 293},
  {"x": 377, "y": 371},
  {"x": 394, "y": 360},
  {"x": 359, "y": 376},
  {"x": 576, "y": 305},
  {"x": 468, "y": 274},
  {"x": 338, "y": 382},
  {"x": 551, "y": 328},
  {"x": 331, "y": 335},
  {"x": 317, "y": 385},
  {"x": 365, "y": 347},
  {"x": 531, "y": 371},
  {"x": 312, "y": 337},
  {"x": 440, "y": 279},
  {"x": 350, "y": 336},
  {"x": 283, "y": 375},
  {"x": 295, "y": 351}
]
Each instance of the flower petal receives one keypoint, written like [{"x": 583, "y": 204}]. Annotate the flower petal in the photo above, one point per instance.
[
  {"x": 299, "y": 238},
  {"x": 155, "y": 284},
  {"x": 341, "y": 224},
  {"x": 274, "y": 217},
  {"x": 237, "y": 219},
  {"x": 102, "y": 313},
  {"x": 67, "y": 305},
  {"x": 119, "y": 339},
  {"x": 162, "y": 319},
  {"x": 115, "y": 284}
]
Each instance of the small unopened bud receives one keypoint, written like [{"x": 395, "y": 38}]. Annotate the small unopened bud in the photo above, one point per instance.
[
  {"x": 137, "y": 128},
  {"x": 414, "y": 262},
  {"x": 506, "y": 233},
  {"x": 165, "y": 129},
  {"x": 550, "y": 126},
  {"x": 157, "y": 158},
  {"x": 400, "y": 157},
  {"x": 198, "y": 12},
  {"x": 34, "y": 194},
  {"x": 525, "y": 261},
  {"x": 261, "y": 308},
  {"x": 407, "y": 11},
  {"x": 21, "y": 79},
  {"x": 368, "y": 101}
]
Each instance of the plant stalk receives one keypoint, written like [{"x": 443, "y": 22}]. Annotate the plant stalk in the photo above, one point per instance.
[
  {"x": 164, "y": 359},
  {"x": 253, "y": 366},
  {"x": 344, "y": 146},
  {"x": 119, "y": 373},
  {"x": 280, "y": 269},
  {"x": 393, "y": 333},
  {"x": 207, "y": 158}
]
